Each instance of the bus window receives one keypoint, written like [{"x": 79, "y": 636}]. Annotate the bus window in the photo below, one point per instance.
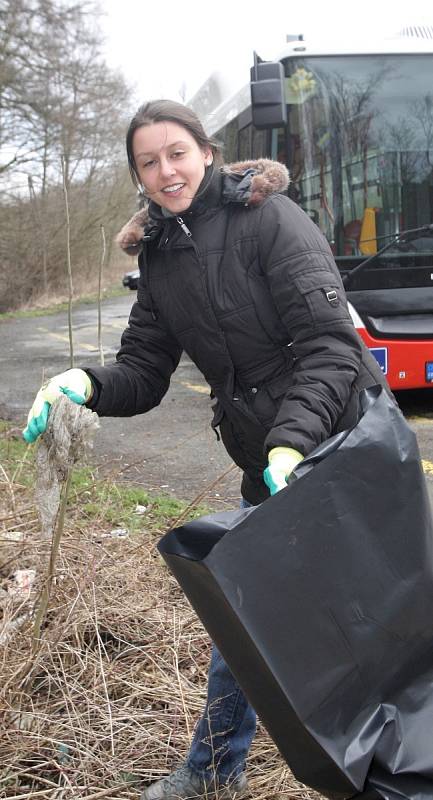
[
  {"x": 286, "y": 148},
  {"x": 279, "y": 150},
  {"x": 228, "y": 137},
  {"x": 244, "y": 153},
  {"x": 259, "y": 144},
  {"x": 361, "y": 154}
]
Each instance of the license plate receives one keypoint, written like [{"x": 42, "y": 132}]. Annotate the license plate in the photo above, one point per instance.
[
  {"x": 381, "y": 356},
  {"x": 429, "y": 371}
]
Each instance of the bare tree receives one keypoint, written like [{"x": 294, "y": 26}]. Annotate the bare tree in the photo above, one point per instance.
[{"x": 58, "y": 100}]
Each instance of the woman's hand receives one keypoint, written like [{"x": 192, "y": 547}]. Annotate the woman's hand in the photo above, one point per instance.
[
  {"x": 282, "y": 462},
  {"x": 74, "y": 383}
]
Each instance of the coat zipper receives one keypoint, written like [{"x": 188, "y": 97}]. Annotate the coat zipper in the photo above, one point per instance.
[
  {"x": 188, "y": 233},
  {"x": 186, "y": 230}
]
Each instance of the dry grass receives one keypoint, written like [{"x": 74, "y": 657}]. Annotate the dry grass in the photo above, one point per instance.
[
  {"x": 111, "y": 696},
  {"x": 86, "y": 288}
]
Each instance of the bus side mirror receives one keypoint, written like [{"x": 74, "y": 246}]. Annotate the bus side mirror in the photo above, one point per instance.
[{"x": 268, "y": 101}]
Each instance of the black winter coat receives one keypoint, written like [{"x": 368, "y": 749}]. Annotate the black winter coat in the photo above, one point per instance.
[{"x": 246, "y": 284}]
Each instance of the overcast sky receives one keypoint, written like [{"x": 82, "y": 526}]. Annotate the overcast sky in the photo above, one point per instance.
[{"x": 163, "y": 44}]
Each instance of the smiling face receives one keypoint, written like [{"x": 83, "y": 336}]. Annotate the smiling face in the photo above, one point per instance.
[{"x": 169, "y": 163}]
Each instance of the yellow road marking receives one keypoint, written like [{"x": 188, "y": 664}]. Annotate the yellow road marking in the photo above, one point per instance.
[
  {"x": 427, "y": 466},
  {"x": 118, "y": 325},
  {"x": 63, "y": 338},
  {"x": 196, "y": 387}
]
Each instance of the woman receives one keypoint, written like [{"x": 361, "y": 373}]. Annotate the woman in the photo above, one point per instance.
[{"x": 235, "y": 274}]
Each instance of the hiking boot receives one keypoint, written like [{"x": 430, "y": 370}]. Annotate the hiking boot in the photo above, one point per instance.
[{"x": 184, "y": 784}]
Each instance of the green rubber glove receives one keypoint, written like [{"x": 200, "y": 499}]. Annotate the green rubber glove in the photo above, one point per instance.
[
  {"x": 74, "y": 383},
  {"x": 282, "y": 461}
]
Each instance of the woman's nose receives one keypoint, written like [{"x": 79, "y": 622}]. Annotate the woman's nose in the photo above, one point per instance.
[{"x": 166, "y": 167}]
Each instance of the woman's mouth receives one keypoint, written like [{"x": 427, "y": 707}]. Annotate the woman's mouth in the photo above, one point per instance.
[{"x": 174, "y": 190}]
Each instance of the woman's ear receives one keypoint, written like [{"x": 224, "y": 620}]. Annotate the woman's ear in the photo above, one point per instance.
[{"x": 208, "y": 158}]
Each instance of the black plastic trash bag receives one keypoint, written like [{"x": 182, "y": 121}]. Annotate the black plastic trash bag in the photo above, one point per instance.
[{"x": 321, "y": 602}]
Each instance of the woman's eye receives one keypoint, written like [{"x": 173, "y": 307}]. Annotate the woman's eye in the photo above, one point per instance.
[
  {"x": 148, "y": 163},
  {"x": 178, "y": 153}
]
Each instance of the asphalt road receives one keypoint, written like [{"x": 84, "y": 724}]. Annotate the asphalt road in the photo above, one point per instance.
[{"x": 171, "y": 449}]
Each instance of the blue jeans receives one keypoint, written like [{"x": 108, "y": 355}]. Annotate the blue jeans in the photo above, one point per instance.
[{"x": 227, "y": 727}]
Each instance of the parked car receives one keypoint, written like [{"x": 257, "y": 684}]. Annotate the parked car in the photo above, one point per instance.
[{"x": 130, "y": 279}]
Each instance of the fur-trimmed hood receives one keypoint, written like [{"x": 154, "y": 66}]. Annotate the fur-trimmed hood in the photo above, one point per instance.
[{"x": 246, "y": 182}]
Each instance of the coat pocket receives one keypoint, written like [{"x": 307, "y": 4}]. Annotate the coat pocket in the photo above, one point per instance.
[
  {"x": 278, "y": 386},
  {"x": 244, "y": 446},
  {"x": 324, "y": 297},
  {"x": 267, "y": 398}
]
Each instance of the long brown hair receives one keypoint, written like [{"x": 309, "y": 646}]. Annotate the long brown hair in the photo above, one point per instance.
[{"x": 167, "y": 111}]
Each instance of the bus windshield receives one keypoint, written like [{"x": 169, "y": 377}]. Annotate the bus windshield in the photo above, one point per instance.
[{"x": 359, "y": 146}]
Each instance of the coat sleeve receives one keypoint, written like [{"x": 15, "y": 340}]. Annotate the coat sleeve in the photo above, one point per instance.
[
  {"x": 307, "y": 291},
  {"x": 140, "y": 376}
]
